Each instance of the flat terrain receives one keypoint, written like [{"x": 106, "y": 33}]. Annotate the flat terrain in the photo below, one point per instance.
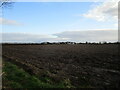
[{"x": 82, "y": 65}]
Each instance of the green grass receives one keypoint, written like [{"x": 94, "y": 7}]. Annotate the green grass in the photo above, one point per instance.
[{"x": 15, "y": 77}]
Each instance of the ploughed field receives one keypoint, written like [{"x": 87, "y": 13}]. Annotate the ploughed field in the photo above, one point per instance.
[{"x": 83, "y": 65}]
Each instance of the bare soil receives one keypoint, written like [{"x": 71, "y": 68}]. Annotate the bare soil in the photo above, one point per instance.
[{"x": 84, "y": 65}]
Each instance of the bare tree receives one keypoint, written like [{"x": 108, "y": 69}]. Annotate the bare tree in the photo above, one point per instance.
[{"x": 5, "y": 3}]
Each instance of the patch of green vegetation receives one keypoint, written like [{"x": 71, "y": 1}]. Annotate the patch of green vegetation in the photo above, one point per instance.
[{"x": 15, "y": 77}]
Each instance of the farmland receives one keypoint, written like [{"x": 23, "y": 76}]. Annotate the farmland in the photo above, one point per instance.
[{"x": 80, "y": 65}]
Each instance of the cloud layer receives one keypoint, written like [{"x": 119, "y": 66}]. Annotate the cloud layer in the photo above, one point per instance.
[
  {"x": 75, "y": 36},
  {"x": 29, "y": 38}
]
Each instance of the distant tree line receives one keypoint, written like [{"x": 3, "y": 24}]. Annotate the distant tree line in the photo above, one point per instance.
[{"x": 57, "y": 43}]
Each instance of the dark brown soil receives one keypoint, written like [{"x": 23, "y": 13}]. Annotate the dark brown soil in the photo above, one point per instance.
[{"x": 85, "y": 65}]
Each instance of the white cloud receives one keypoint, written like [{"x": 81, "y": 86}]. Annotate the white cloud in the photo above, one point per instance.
[
  {"x": 9, "y": 22},
  {"x": 75, "y": 36},
  {"x": 104, "y": 12}
]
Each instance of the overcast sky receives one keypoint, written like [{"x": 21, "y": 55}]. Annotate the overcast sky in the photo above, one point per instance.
[{"x": 60, "y": 21}]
